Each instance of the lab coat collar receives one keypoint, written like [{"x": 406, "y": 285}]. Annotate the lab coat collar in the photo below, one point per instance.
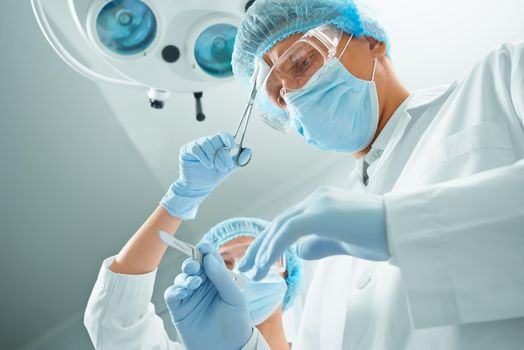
[
  {"x": 423, "y": 99},
  {"x": 385, "y": 135},
  {"x": 381, "y": 142},
  {"x": 412, "y": 108}
]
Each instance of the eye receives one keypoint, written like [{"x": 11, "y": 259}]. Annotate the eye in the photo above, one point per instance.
[
  {"x": 301, "y": 66},
  {"x": 304, "y": 63}
]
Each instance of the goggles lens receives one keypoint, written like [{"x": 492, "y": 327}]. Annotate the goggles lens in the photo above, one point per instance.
[
  {"x": 233, "y": 254},
  {"x": 274, "y": 116},
  {"x": 293, "y": 70}
]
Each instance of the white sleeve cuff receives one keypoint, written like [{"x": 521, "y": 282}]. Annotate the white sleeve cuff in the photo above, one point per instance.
[
  {"x": 120, "y": 315},
  {"x": 128, "y": 296}
]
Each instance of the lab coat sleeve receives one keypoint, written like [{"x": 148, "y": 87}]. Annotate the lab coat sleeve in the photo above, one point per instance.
[
  {"x": 516, "y": 54},
  {"x": 120, "y": 315},
  {"x": 460, "y": 247},
  {"x": 460, "y": 244}
]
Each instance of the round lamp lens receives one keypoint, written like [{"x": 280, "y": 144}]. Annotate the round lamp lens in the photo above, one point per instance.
[
  {"x": 126, "y": 27},
  {"x": 214, "y": 48}
]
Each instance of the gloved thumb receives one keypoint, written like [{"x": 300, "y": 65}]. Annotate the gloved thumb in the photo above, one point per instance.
[
  {"x": 218, "y": 274},
  {"x": 315, "y": 248}
]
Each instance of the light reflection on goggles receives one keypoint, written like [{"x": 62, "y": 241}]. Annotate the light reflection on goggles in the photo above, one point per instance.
[{"x": 294, "y": 68}]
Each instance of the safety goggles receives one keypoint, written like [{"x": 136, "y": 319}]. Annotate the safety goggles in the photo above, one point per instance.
[
  {"x": 294, "y": 69},
  {"x": 234, "y": 253}
]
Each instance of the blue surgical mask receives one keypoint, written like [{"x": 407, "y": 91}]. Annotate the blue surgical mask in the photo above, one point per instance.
[
  {"x": 264, "y": 296},
  {"x": 335, "y": 110}
]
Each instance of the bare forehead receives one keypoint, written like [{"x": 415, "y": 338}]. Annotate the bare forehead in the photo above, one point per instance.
[{"x": 276, "y": 51}]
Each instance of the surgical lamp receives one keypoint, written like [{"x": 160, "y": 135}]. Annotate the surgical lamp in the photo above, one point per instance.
[{"x": 159, "y": 46}]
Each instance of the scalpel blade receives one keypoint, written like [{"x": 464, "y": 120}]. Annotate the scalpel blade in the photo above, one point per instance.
[{"x": 181, "y": 246}]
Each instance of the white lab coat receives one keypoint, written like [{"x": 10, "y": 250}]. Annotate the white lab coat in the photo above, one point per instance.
[
  {"x": 452, "y": 173},
  {"x": 456, "y": 279}
]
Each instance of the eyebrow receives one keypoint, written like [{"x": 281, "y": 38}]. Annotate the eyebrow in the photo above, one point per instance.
[{"x": 280, "y": 52}]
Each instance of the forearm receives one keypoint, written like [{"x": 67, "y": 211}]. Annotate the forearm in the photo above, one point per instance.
[
  {"x": 143, "y": 252},
  {"x": 197, "y": 179}
]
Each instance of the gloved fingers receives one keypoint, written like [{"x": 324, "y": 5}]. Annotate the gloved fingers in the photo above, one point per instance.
[
  {"x": 180, "y": 280},
  {"x": 314, "y": 248},
  {"x": 193, "y": 282},
  {"x": 210, "y": 151},
  {"x": 173, "y": 295},
  {"x": 191, "y": 267},
  {"x": 198, "y": 152},
  {"x": 184, "y": 287},
  {"x": 248, "y": 260},
  {"x": 218, "y": 274},
  {"x": 186, "y": 152},
  {"x": 206, "y": 248},
  {"x": 222, "y": 155},
  {"x": 256, "y": 249},
  {"x": 277, "y": 241},
  {"x": 185, "y": 281},
  {"x": 227, "y": 139},
  {"x": 284, "y": 217},
  {"x": 226, "y": 157}
]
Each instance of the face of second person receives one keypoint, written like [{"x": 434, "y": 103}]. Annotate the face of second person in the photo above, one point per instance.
[
  {"x": 229, "y": 251},
  {"x": 231, "y": 261},
  {"x": 228, "y": 260}
]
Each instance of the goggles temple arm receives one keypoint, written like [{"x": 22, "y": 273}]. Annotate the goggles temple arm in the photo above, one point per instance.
[{"x": 345, "y": 47}]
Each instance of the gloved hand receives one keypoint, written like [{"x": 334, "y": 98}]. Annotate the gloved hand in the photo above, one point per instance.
[
  {"x": 330, "y": 222},
  {"x": 207, "y": 308},
  {"x": 200, "y": 173}
]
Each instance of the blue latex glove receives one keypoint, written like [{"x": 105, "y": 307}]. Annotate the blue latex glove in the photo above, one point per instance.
[
  {"x": 207, "y": 308},
  {"x": 199, "y": 174},
  {"x": 329, "y": 222}
]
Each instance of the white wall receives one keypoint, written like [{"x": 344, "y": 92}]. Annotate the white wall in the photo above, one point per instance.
[{"x": 72, "y": 185}]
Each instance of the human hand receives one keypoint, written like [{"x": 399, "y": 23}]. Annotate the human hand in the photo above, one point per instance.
[
  {"x": 206, "y": 307},
  {"x": 200, "y": 173},
  {"x": 328, "y": 222}
]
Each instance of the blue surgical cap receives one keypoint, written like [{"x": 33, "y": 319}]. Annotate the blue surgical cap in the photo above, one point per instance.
[
  {"x": 268, "y": 21},
  {"x": 230, "y": 229}
]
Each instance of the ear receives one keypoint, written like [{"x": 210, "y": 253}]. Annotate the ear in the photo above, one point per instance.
[{"x": 376, "y": 48}]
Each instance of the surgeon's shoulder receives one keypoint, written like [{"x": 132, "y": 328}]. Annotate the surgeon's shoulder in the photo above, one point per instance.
[
  {"x": 509, "y": 49},
  {"x": 425, "y": 96},
  {"x": 504, "y": 56}
]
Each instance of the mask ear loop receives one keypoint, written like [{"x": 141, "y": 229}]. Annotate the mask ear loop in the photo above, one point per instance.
[
  {"x": 374, "y": 69},
  {"x": 374, "y": 59}
]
